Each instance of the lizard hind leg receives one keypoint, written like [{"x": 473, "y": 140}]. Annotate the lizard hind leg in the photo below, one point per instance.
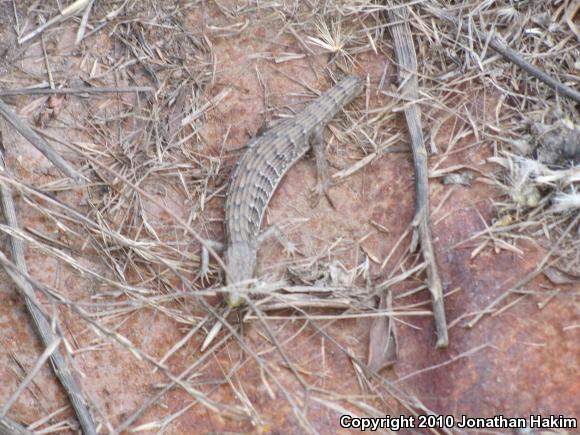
[
  {"x": 322, "y": 179},
  {"x": 288, "y": 246},
  {"x": 203, "y": 273}
]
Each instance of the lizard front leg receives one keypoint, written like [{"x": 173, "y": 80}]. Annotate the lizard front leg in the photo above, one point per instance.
[{"x": 322, "y": 178}]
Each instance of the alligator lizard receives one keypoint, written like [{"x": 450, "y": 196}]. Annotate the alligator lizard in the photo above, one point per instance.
[{"x": 261, "y": 169}]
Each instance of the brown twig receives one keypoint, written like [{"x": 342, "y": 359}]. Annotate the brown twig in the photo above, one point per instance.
[
  {"x": 39, "y": 318},
  {"x": 407, "y": 70},
  {"x": 530, "y": 276},
  {"x": 511, "y": 55},
  {"x": 22, "y": 279},
  {"x": 11, "y": 427},
  {"x": 80, "y": 90},
  {"x": 151, "y": 198},
  {"x": 39, "y": 143},
  {"x": 30, "y": 376},
  {"x": 66, "y": 13}
]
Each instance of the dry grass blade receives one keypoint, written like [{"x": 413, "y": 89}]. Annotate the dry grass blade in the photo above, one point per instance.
[
  {"x": 510, "y": 54},
  {"x": 40, "y": 319},
  {"x": 537, "y": 271},
  {"x": 332, "y": 39},
  {"x": 79, "y": 90},
  {"x": 450, "y": 361},
  {"x": 50, "y": 348},
  {"x": 11, "y": 427},
  {"x": 155, "y": 105},
  {"x": 71, "y": 10},
  {"x": 21, "y": 276},
  {"x": 39, "y": 142}
]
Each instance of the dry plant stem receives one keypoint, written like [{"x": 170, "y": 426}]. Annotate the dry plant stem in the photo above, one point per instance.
[
  {"x": 154, "y": 399},
  {"x": 39, "y": 143},
  {"x": 182, "y": 223},
  {"x": 38, "y": 317},
  {"x": 530, "y": 276},
  {"x": 407, "y": 70},
  {"x": 80, "y": 90},
  {"x": 409, "y": 402},
  {"x": 67, "y": 12},
  {"x": 508, "y": 53},
  {"x": 84, "y": 21},
  {"x": 451, "y": 360},
  {"x": 21, "y": 278},
  {"x": 11, "y": 427},
  {"x": 30, "y": 376},
  {"x": 230, "y": 332}
]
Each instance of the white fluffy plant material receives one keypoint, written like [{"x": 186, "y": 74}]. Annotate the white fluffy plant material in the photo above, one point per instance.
[{"x": 564, "y": 202}]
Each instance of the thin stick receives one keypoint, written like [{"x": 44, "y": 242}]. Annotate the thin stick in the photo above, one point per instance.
[
  {"x": 30, "y": 376},
  {"x": 511, "y": 55},
  {"x": 182, "y": 223},
  {"x": 67, "y": 12},
  {"x": 445, "y": 363},
  {"x": 11, "y": 427},
  {"x": 407, "y": 70},
  {"x": 530, "y": 276},
  {"x": 80, "y": 90},
  {"x": 83, "y": 27},
  {"x": 38, "y": 317},
  {"x": 38, "y": 142},
  {"x": 22, "y": 278}
]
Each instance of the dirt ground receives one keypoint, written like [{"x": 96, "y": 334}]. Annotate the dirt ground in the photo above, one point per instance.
[{"x": 217, "y": 72}]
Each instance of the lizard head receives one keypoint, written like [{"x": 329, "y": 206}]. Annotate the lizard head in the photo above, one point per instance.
[{"x": 240, "y": 261}]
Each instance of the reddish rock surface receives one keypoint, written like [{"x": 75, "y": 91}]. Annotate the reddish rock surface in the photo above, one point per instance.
[{"x": 522, "y": 361}]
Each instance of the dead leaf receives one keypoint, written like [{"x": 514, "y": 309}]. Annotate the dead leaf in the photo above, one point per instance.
[{"x": 383, "y": 348}]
